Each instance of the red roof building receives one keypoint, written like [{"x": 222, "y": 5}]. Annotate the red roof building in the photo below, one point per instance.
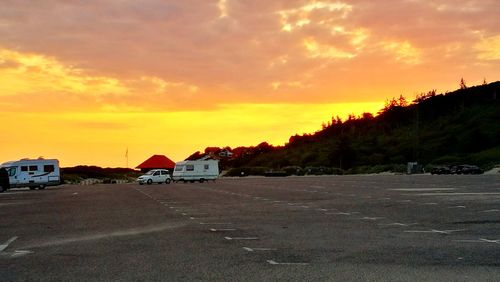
[{"x": 156, "y": 161}]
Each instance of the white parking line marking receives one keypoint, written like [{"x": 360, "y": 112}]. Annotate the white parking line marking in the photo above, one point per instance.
[
  {"x": 222, "y": 230},
  {"x": 241, "y": 238},
  {"x": 490, "y": 241},
  {"x": 342, "y": 213},
  {"x": 322, "y": 209},
  {"x": 457, "y": 207},
  {"x": 428, "y": 204},
  {"x": 447, "y": 232},
  {"x": 18, "y": 253},
  {"x": 481, "y": 240},
  {"x": 147, "y": 195},
  {"x": 493, "y": 210},
  {"x": 398, "y": 224},
  {"x": 371, "y": 218},
  {"x": 257, "y": 249},
  {"x": 286, "y": 263},
  {"x": 422, "y": 189},
  {"x": 7, "y": 243},
  {"x": 455, "y": 194}
]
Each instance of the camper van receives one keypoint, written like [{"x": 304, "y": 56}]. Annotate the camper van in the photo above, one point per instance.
[
  {"x": 196, "y": 171},
  {"x": 33, "y": 173}
]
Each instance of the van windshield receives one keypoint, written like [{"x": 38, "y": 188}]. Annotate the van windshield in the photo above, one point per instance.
[{"x": 179, "y": 167}]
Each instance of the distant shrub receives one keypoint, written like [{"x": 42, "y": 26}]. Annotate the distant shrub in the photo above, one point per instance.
[
  {"x": 69, "y": 178},
  {"x": 293, "y": 170},
  {"x": 245, "y": 171},
  {"x": 318, "y": 170},
  {"x": 396, "y": 168},
  {"x": 447, "y": 160},
  {"x": 399, "y": 168},
  {"x": 378, "y": 168},
  {"x": 488, "y": 158},
  {"x": 84, "y": 172},
  {"x": 337, "y": 171},
  {"x": 358, "y": 170}
]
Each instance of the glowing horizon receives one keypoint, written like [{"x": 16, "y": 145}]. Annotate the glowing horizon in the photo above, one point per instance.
[
  {"x": 110, "y": 134},
  {"x": 82, "y": 81}
]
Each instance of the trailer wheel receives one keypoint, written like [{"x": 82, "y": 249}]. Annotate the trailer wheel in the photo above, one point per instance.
[
  {"x": 202, "y": 180},
  {"x": 32, "y": 188},
  {"x": 41, "y": 187},
  {"x": 167, "y": 181},
  {"x": 1, "y": 189},
  {"x": 149, "y": 181}
]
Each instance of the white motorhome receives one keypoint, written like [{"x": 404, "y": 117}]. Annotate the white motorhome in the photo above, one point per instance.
[
  {"x": 192, "y": 171},
  {"x": 33, "y": 173}
]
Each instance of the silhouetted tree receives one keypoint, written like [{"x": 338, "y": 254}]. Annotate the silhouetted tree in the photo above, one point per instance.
[
  {"x": 424, "y": 96},
  {"x": 195, "y": 156},
  {"x": 367, "y": 116},
  {"x": 402, "y": 101},
  {"x": 462, "y": 84}
]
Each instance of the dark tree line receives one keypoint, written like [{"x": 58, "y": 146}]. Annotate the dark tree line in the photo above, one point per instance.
[{"x": 460, "y": 126}]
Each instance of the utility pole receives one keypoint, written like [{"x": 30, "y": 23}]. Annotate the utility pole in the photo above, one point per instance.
[{"x": 126, "y": 156}]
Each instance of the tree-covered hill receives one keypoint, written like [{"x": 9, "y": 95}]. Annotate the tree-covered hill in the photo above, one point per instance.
[{"x": 453, "y": 128}]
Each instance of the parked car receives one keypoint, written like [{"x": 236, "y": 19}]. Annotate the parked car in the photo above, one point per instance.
[
  {"x": 457, "y": 169},
  {"x": 468, "y": 169},
  {"x": 155, "y": 176},
  {"x": 441, "y": 170}
]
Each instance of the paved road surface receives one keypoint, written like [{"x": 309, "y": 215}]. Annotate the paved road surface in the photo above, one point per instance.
[{"x": 339, "y": 228}]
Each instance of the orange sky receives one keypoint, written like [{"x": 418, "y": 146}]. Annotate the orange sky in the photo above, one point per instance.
[{"x": 83, "y": 80}]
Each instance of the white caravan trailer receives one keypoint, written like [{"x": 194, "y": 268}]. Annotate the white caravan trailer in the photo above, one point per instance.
[
  {"x": 37, "y": 173},
  {"x": 196, "y": 171}
]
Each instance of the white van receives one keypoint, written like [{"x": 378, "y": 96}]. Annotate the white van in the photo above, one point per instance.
[
  {"x": 155, "y": 176},
  {"x": 196, "y": 171},
  {"x": 33, "y": 173}
]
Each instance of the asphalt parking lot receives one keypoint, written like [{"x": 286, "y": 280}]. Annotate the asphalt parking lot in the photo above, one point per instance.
[{"x": 337, "y": 228}]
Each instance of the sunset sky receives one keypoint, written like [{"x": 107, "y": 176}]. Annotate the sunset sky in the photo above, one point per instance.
[{"x": 82, "y": 81}]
